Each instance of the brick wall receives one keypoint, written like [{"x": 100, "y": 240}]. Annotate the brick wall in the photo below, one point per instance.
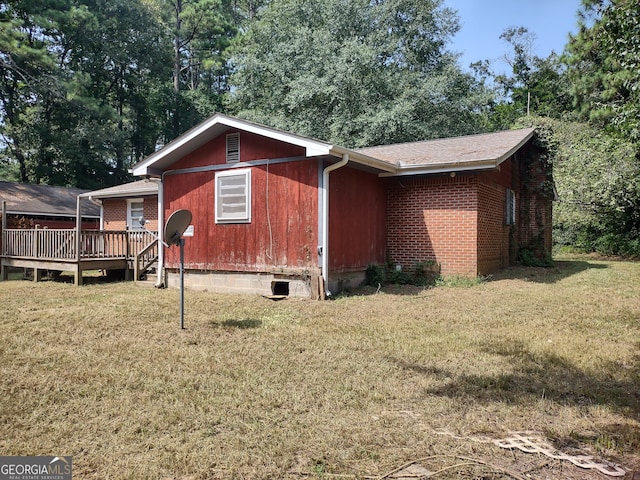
[
  {"x": 434, "y": 218},
  {"x": 535, "y": 207},
  {"x": 459, "y": 222},
  {"x": 115, "y": 213},
  {"x": 494, "y": 241},
  {"x": 493, "y": 234}
]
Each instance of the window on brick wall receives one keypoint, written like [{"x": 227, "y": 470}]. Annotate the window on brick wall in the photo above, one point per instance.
[
  {"x": 510, "y": 213},
  {"x": 135, "y": 210},
  {"x": 233, "y": 196}
]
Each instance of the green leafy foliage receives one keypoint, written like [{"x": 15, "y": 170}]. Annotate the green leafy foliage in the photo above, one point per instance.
[
  {"x": 356, "y": 72},
  {"x": 597, "y": 180},
  {"x": 528, "y": 258},
  {"x": 534, "y": 85},
  {"x": 86, "y": 85},
  {"x": 604, "y": 61}
]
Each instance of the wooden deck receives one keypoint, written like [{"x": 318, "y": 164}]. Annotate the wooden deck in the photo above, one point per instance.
[{"x": 62, "y": 250}]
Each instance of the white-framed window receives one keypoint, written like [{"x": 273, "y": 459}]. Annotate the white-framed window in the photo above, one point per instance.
[
  {"x": 135, "y": 210},
  {"x": 233, "y": 147},
  {"x": 510, "y": 212},
  {"x": 233, "y": 196}
]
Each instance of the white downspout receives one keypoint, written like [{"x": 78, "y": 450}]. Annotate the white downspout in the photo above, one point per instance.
[
  {"x": 160, "y": 280},
  {"x": 325, "y": 218},
  {"x": 101, "y": 214}
]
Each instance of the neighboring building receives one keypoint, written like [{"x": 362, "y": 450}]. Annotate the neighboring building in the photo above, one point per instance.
[
  {"x": 122, "y": 206},
  {"x": 44, "y": 206},
  {"x": 41, "y": 232},
  {"x": 275, "y": 212}
]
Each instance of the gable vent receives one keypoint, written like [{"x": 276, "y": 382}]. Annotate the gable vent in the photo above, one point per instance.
[{"x": 233, "y": 147}]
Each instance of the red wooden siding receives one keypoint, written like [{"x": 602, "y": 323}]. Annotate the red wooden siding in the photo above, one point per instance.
[
  {"x": 357, "y": 216},
  {"x": 284, "y": 203},
  {"x": 252, "y": 147}
]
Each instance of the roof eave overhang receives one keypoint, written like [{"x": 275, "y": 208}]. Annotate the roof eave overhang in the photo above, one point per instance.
[
  {"x": 473, "y": 165},
  {"x": 404, "y": 170},
  {"x": 131, "y": 194},
  {"x": 157, "y": 162},
  {"x": 382, "y": 165}
]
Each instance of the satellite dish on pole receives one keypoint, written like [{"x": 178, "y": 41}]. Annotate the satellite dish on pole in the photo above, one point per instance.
[{"x": 176, "y": 224}]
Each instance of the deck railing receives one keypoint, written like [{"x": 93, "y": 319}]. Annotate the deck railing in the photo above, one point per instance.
[{"x": 60, "y": 244}]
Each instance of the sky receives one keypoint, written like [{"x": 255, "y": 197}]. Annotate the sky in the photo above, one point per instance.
[{"x": 483, "y": 21}]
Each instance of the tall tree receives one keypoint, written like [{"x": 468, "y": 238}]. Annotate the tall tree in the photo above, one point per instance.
[
  {"x": 356, "y": 72},
  {"x": 77, "y": 104},
  {"x": 114, "y": 59},
  {"x": 604, "y": 65},
  {"x": 27, "y": 72},
  {"x": 597, "y": 179},
  {"x": 534, "y": 85},
  {"x": 201, "y": 31}
]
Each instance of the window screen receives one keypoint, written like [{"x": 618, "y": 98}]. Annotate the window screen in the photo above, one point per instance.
[{"x": 233, "y": 196}]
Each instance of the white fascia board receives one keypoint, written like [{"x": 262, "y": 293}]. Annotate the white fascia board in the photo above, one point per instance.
[
  {"x": 373, "y": 162},
  {"x": 141, "y": 168},
  {"x": 131, "y": 194},
  {"x": 445, "y": 168},
  {"x": 313, "y": 147}
]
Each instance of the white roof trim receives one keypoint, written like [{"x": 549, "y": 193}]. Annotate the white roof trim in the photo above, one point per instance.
[
  {"x": 441, "y": 168},
  {"x": 312, "y": 147},
  {"x": 119, "y": 194},
  {"x": 154, "y": 165}
]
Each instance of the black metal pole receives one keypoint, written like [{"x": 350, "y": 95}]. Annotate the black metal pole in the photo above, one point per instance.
[{"x": 181, "y": 243}]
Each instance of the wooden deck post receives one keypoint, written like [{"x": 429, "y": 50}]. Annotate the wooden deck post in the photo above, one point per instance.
[
  {"x": 35, "y": 253},
  {"x": 3, "y": 226},
  {"x": 77, "y": 275}
]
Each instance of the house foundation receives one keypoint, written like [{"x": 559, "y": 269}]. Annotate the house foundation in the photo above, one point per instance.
[{"x": 267, "y": 284}]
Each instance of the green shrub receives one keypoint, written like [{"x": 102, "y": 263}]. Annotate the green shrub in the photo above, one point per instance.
[
  {"x": 528, "y": 258},
  {"x": 375, "y": 275},
  {"x": 616, "y": 244},
  {"x": 423, "y": 273}
]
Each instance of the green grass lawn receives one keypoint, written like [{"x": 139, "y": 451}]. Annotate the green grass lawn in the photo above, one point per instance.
[{"x": 356, "y": 387}]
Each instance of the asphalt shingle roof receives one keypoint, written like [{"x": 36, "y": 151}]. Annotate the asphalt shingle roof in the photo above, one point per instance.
[
  {"x": 45, "y": 200},
  {"x": 456, "y": 150},
  {"x": 139, "y": 188}
]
